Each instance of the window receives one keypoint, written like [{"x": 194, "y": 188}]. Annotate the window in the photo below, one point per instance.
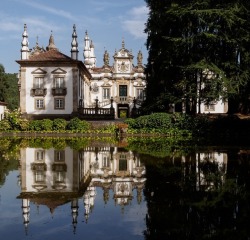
[
  {"x": 39, "y": 155},
  {"x": 38, "y": 82},
  {"x": 123, "y": 90},
  {"x": 106, "y": 93},
  {"x": 59, "y": 82},
  {"x": 123, "y": 162},
  {"x": 39, "y": 103},
  {"x": 59, "y": 156},
  {"x": 59, "y": 177},
  {"x": 59, "y": 103},
  {"x": 210, "y": 107},
  {"x": 105, "y": 161},
  {"x": 140, "y": 93},
  {"x": 39, "y": 176}
]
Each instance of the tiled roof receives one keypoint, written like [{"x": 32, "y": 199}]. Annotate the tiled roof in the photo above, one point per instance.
[{"x": 51, "y": 55}]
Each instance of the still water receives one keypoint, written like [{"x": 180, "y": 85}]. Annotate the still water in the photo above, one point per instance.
[{"x": 133, "y": 189}]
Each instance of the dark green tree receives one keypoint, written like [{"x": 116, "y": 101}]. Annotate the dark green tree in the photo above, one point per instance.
[
  {"x": 193, "y": 44},
  {"x": 8, "y": 89}
]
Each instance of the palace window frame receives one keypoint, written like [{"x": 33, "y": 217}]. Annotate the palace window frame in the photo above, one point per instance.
[
  {"x": 39, "y": 103},
  {"x": 210, "y": 106},
  {"x": 123, "y": 163},
  {"x": 59, "y": 82},
  {"x": 123, "y": 90},
  {"x": 59, "y": 156},
  {"x": 40, "y": 155},
  {"x": 59, "y": 103},
  {"x": 106, "y": 93},
  {"x": 140, "y": 94},
  {"x": 39, "y": 176},
  {"x": 38, "y": 82}
]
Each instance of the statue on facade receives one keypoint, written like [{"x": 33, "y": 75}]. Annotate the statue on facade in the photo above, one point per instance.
[
  {"x": 139, "y": 58},
  {"x": 106, "y": 58}
]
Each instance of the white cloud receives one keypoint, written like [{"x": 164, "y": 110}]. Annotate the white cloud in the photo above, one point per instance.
[
  {"x": 135, "y": 24},
  {"x": 55, "y": 11},
  {"x": 105, "y": 5},
  {"x": 40, "y": 26},
  {"x": 8, "y": 23}
]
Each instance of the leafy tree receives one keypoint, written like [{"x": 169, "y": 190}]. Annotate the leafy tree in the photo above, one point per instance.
[
  {"x": 8, "y": 89},
  {"x": 193, "y": 44}
]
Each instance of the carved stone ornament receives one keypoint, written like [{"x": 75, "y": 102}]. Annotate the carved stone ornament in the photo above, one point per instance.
[
  {"x": 123, "y": 67},
  {"x": 94, "y": 88},
  {"x": 123, "y": 187}
]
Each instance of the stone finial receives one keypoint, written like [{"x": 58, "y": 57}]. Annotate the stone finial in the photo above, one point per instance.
[
  {"x": 25, "y": 44},
  {"x": 51, "y": 45},
  {"x": 74, "y": 44}
]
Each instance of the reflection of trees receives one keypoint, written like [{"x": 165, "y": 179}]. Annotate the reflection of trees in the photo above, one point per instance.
[
  {"x": 8, "y": 158},
  {"x": 177, "y": 210}
]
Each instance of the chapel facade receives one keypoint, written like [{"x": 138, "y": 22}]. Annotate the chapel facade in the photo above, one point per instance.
[{"x": 52, "y": 84}]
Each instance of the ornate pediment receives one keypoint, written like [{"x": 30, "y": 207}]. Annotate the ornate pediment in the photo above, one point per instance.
[
  {"x": 59, "y": 71},
  {"x": 106, "y": 83},
  {"x": 39, "y": 71}
]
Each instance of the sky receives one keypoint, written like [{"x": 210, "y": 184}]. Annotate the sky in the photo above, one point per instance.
[{"x": 107, "y": 22}]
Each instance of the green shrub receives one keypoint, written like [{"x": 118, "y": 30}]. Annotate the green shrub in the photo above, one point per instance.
[
  {"x": 13, "y": 118},
  {"x": 24, "y": 124},
  {"x": 183, "y": 121},
  {"x": 59, "y": 124},
  {"x": 5, "y": 125},
  {"x": 77, "y": 125},
  {"x": 153, "y": 121},
  {"x": 35, "y": 125},
  {"x": 46, "y": 124},
  {"x": 131, "y": 122},
  {"x": 59, "y": 144}
]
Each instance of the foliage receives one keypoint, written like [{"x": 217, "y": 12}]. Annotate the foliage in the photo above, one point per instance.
[
  {"x": 197, "y": 50},
  {"x": 46, "y": 124},
  {"x": 78, "y": 143},
  {"x": 39, "y": 125},
  {"x": 77, "y": 125},
  {"x": 160, "y": 147},
  {"x": 171, "y": 124},
  {"x": 9, "y": 89},
  {"x": 59, "y": 124},
  {"x": 153, "y": 121},
  {"x": 5, "y": 125},
  {"x": 24, "y": 124},
  {"x": 35, "y": 125},
  {"x": 13, "y": 117}
]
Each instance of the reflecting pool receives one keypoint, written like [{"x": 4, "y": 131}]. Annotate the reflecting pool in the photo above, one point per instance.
[{"x": 130, "y": 189}]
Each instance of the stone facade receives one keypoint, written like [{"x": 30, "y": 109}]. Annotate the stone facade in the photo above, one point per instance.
[{"x": 52, "y": 84}]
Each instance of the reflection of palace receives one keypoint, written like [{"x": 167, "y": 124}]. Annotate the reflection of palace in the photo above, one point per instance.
[
  {"x": 55, "y": 177},
  {"x": 210, "y": 162},
  {"x": 206, "y": 165}
]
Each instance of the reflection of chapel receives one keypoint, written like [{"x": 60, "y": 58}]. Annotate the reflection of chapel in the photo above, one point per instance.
[{"x": 53, "y": 84}]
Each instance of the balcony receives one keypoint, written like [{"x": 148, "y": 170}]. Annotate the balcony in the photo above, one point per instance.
[
  {"x": 59, "y": 91},
  {"x": 123, "y": 99},
  {"x": 38, "y": 92}
]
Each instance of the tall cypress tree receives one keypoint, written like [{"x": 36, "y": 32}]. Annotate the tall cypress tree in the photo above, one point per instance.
[{"x": 197, "y": 43}]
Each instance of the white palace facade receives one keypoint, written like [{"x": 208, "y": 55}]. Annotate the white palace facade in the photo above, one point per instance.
[{"x": 52, "y": 84}]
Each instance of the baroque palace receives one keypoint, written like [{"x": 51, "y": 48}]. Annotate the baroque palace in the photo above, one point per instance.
[{"x": 52, "y": 84}]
